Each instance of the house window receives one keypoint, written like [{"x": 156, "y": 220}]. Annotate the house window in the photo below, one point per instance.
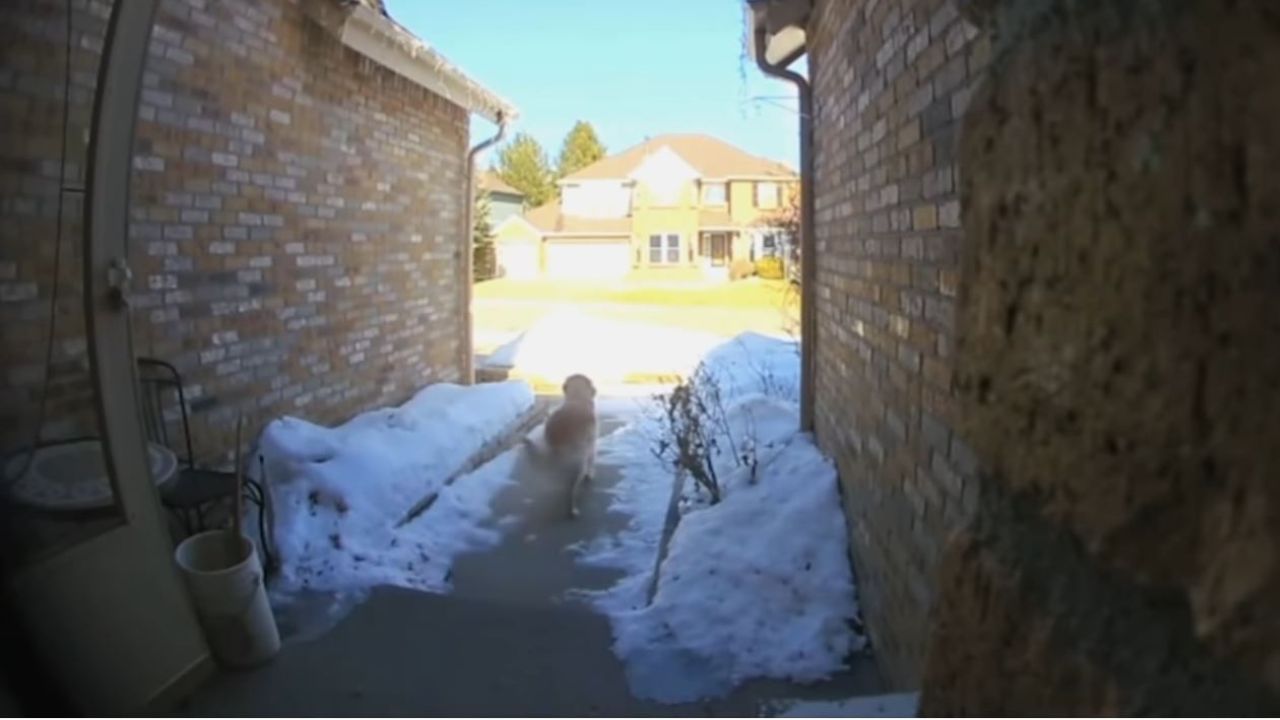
[
  {"x": 714, "y": 194},
  {"x": 766, "y": 195},
  {"x": 664, "y": 249}
]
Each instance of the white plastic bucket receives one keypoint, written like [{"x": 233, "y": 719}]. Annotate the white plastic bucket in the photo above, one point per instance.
[{"x": 230, "y": 598}]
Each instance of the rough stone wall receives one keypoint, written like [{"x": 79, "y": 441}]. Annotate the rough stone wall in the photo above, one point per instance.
[
  {"x": 296, "y": 214},
  {"x": 1118, "y": 359},
  {"x": 891, "y": 78}
]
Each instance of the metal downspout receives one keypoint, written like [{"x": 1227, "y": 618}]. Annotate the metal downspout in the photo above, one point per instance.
[
  {"x": 468, "y": 251},
  {"x": 808, "y": 268}
]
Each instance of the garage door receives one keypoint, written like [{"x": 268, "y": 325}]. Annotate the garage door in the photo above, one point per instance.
[
  {"x": 518, "y": 260},
  {"x": 588, "y": 261}
]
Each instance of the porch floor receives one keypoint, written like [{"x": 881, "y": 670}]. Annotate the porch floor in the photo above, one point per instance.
[{"x": 507, "y": 641}]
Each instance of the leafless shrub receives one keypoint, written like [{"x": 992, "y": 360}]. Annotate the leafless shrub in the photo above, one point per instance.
[{"x": 695, "y": 432}]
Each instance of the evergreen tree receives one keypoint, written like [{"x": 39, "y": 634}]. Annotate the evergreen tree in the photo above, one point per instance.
[
  {"x": 483, "y": 260},
  {"x": 581, "y": 148},
  {"x": 482, "y": 229},
  {"x": 523, "y": 165}
]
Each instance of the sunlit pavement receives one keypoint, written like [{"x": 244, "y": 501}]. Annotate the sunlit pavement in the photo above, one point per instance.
[{"x": 621, "y": 355}]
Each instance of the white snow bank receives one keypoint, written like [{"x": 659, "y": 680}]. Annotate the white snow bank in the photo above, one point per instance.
[
  {"x": 340, "y": 492},
  {"x": 554, "y": 348},
  {"x": 758, "y": 585},
  {"x": 752, "y": 363}
]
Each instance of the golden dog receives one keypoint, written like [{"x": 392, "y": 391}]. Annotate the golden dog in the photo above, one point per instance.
[{"x": 570, "y": 435}]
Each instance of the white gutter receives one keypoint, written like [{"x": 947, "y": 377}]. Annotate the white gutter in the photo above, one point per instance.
[
  {"x": 384, "y": 41},
  {"x": 790, "y": 13},
  {"x": 784, "y": 23}
]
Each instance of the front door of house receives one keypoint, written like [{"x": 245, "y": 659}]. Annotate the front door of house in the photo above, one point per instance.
[
  {"x": 715, "y": 249},
  {"x": 100, "y": 600},
  {"x": 719, "y": 249}
]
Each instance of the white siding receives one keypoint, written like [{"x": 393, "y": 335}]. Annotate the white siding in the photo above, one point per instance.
[
  {"x": 596, "y": 199},
  {"x": 589, "y": 261}
]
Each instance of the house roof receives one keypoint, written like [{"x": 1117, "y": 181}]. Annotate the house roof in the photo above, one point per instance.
[
  {"x": 551, "y": 221},
  {"x": 783, "y": 25},
  {"x": 367, "y": 28},
  {"x": 711, "y": 157},
  {"x": 492, "y": 182},
  {"x": 376, "y": 5}
]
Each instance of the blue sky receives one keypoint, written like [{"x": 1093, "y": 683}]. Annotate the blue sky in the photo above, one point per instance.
[{"x": 632, "y": 69}]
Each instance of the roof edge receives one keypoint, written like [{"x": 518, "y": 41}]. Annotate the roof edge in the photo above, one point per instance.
[
  {"x": 784, "y": 24},
  {"x": 793, "y": 176},
  {"x": 389, "y": 44},
  {"x": 576, "y": 176}
]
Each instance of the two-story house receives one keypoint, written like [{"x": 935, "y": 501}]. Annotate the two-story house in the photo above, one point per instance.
[{"x": 671, "y": 203}]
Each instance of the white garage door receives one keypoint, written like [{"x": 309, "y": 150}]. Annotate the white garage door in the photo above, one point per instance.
[
  {"x": 518, "y": 260},
  {"x": 589, "y": 261}
]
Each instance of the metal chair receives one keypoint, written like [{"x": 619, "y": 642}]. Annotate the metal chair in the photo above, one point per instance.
[{"x": 193, "y": 490}]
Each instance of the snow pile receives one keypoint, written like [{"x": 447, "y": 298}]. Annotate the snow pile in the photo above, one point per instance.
[
  {"x": 554, "y": 348},
  {"x": 753, "y": 363},
  {"x": 758, "y": 585},
  {"x": 339, "y": 493}
]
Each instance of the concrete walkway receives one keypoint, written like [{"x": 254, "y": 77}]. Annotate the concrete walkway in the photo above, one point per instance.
[
  {"x": 533, "y": 566},
  {"x": 505, "y": 642}
]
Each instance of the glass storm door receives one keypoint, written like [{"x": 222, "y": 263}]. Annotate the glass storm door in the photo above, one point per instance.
[{"x": 99, "y": 597}]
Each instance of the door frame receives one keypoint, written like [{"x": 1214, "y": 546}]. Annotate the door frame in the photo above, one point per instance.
[
  {"x": 110, "y": 615},
  {"x": 708, "y": 248}
]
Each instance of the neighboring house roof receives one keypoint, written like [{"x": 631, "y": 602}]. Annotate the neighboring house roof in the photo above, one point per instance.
[
  {"x": 492, "y": 182},
  {"x": 551, "y": 221},
  {"x": 711, "y": 157}
]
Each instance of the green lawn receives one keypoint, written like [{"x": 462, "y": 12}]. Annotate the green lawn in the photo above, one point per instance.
[{"x": 752, "y": 293}]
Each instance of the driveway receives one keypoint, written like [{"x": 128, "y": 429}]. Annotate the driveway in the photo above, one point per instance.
[{"x": 632, "y": 331}]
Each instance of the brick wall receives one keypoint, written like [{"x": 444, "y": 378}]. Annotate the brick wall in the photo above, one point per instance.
[
  {"x": 32, "y": 51},
  {"x": 890, "y": 79},
  {"x": 296, "y": 215}
]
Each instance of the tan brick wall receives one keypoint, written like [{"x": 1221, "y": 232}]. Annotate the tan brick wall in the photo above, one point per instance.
[
  {"x": 890, "y": 79},
  {"x": 296, "y": 215},
  {"x": 32, "y": 50}
]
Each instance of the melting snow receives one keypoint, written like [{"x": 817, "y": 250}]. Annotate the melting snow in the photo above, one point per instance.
[
  {"x": 340, "y": 492},
  {"x": 758, "y": 585}
]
